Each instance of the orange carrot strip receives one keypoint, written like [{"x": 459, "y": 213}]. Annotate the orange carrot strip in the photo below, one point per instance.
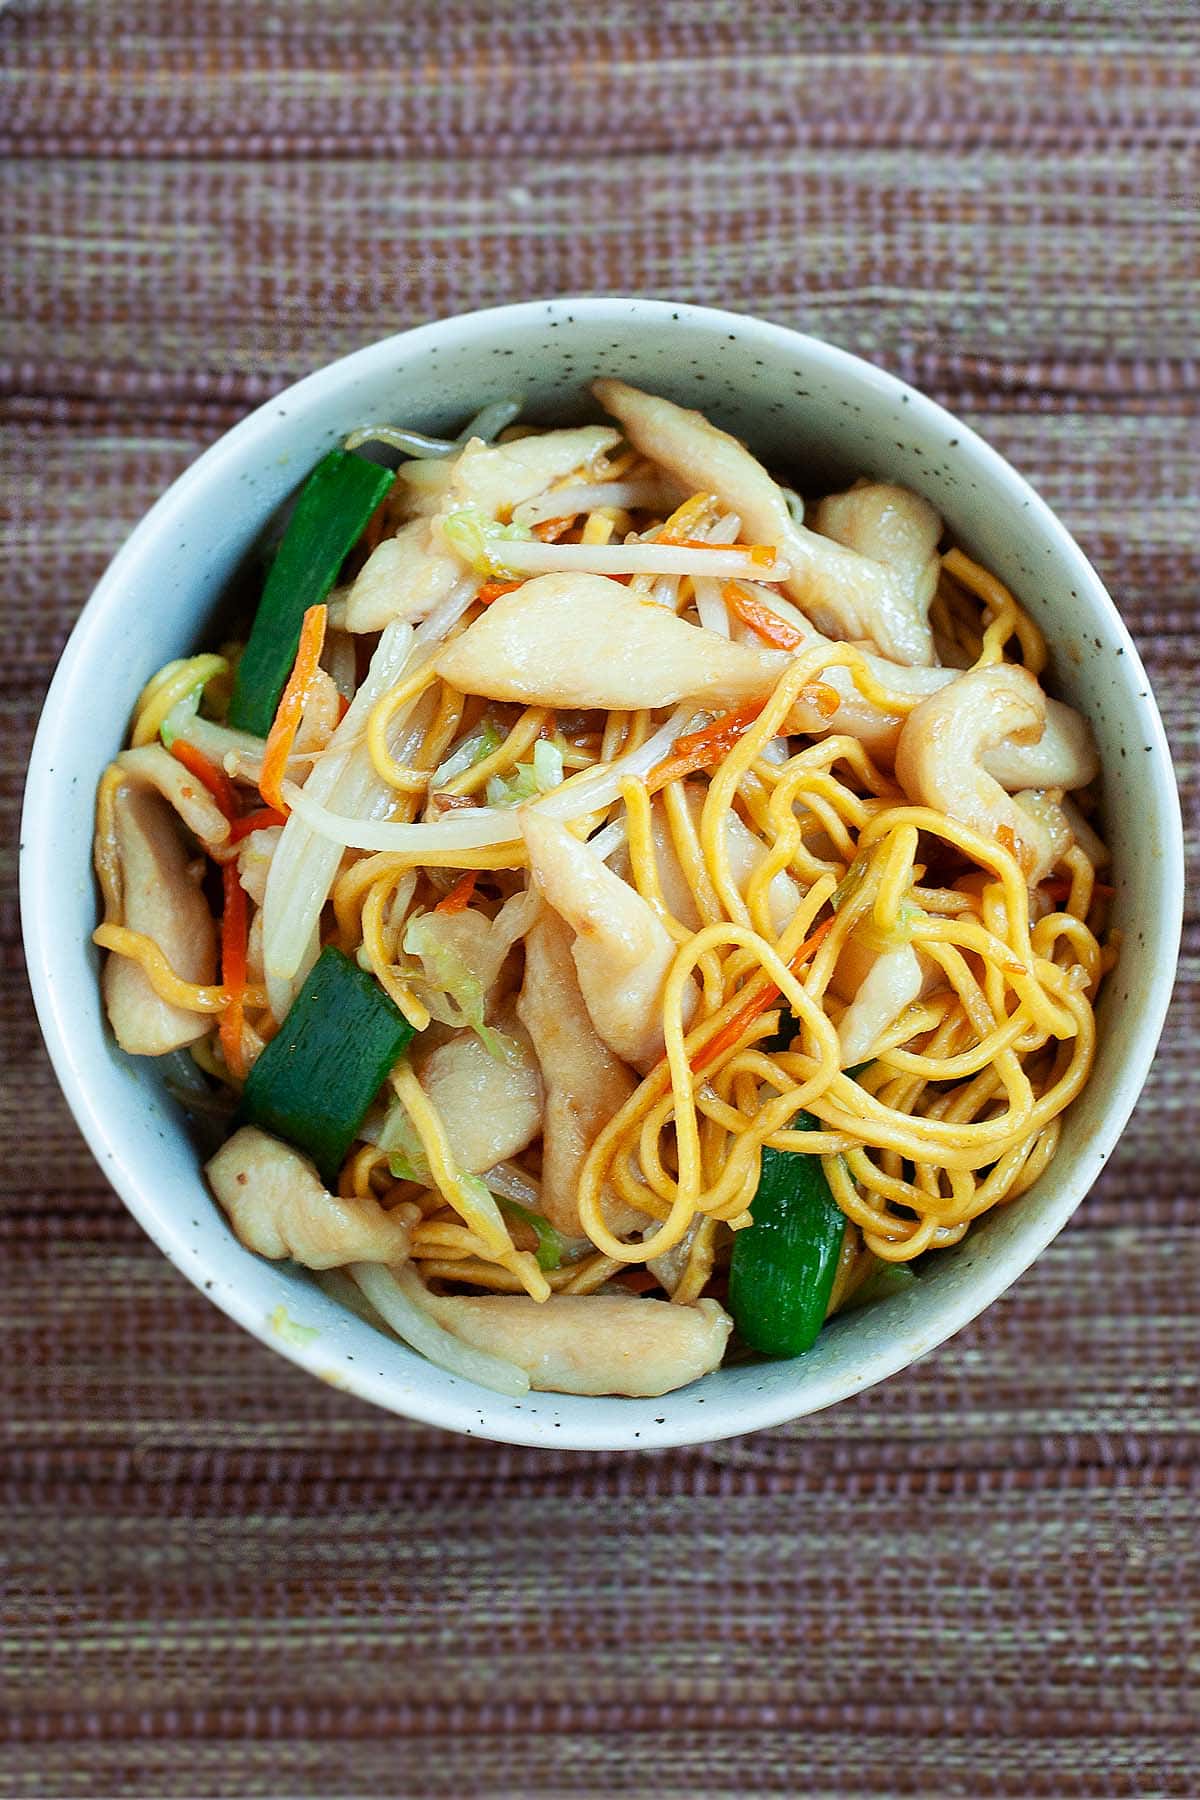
[
  {"x": 768, "y": 625},
  {"x": 286, "y": 723},
  {"x": 492, "y": 590},
  {"x": 732, "y": 1030},
  {"x": 459, "y": 897},
  {"x": 705, "y": 748},
  {"x": 209, "y": 775},
  {"x": 255, "y": 821},
  {"x": 550, "y": 530},
  {"x": 762, "y": 554},
  {"x": 234, "y": 932}
]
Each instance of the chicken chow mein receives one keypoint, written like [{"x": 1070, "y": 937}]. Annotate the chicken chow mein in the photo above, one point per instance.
[{"x": 613, "y": 914}]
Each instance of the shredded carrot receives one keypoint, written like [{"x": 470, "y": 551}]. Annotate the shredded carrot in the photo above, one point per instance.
[
  {"x": 459, "y": 897},
  {"x": 209, "y": 775},
  {"x": 550, "y": 530},
  {"x": 762, "y": 554},
  {"x": 733, "y": 1028},
  {"x": 761, "y": 619},
  {"x": 492, "y": 590},
  {"x": 234, "y": 933},
  {"x": 343, "y": 707},
  {"x": 705, "y": 748},
  {"x": 255, "y": 821},
  {"x": 283, "y": 731}
]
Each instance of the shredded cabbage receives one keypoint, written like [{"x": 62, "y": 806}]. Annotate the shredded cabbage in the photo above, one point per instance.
[
  {"x": 430, "y": 939},
  {"x": 472, "y": 750},
  {"x": 470, "y": 531},
  {"x": 187, "y": 706},
  {"x": 530, "y": 779},
  {"x": 405, "y": 1153},
  {"x": 179, "y": 717},
  {"x": 549, "y": 1252}
]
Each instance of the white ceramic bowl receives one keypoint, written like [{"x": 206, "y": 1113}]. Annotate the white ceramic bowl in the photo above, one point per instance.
[{"x": 805, "y": 407}]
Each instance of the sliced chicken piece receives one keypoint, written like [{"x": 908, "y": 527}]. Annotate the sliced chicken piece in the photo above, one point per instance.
[
  {"x": 1064, "y": 756},
  {"x": 463, "y": 953},
  {"x": 497, "y": 477},
  {"x": 844, "y": 593},
  {"x": 491, "y": 1106},
  {"x": 279, "y": 1206},
  {"x": 1045, "y": 808},
  {"x": 585, "y": 1084},
  {"x": 403, "y": 578},
  {"x": 893, "y": 526},
  {"x": 879, "y": 985},
  {"x": 622, "y": 951},
  {"x": 939, "y": 757},
  {"x": 587, "y": 641},
  {"x": 592, "y": 1343},
  {"x": 153, "y": 766},
  {"x": 162, "y": 900}
]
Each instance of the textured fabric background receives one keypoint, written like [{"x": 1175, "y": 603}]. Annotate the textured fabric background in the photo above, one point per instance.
[{"x": 219, "y": 1576}]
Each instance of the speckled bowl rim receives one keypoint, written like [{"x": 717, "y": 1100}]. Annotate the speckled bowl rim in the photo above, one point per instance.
[{"x": 603, "y": 1424}]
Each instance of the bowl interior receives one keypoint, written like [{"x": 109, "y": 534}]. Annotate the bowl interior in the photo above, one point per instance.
[{"x": 811, "y": 411}]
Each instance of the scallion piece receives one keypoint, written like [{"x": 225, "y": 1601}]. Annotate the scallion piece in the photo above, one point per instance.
[
  {"x": 549, "y": 1242},
  {"x": 316, "y": 1078},
  {"x": 784, "y": 1264},
  {"x": 334, "y": 505}
]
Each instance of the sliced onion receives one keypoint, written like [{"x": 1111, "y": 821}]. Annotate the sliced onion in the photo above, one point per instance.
[
  {"x": 473, "y": 828},
  {"x": 513, "y": 1184},
  {"x": 485, "y": 827},
  {"x": 710, "y": 605},
  {"x": 566, "y": 502},
  {"x": 606, "y": 843},
  {"x": 398, "y": 1300},
  {"x": 446, "y": 614},
  {"x": 305, "y": 862}
]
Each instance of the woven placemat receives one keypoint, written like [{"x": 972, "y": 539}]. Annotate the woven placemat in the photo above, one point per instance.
[{"x": 220, "y": 1577}]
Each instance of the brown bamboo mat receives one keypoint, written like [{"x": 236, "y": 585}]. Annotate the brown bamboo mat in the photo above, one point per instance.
[{"x": 221, "y": 1578}]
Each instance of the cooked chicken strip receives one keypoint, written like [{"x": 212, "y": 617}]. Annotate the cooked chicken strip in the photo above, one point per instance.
[
  {"x": 497, "y": 477},
  {"x": 403, "y": 578},
  {"x": 893, "y": 526},
  {"x": 622, "y": 951},
  {"x": 279, "y": 1206},
  {"x": 162, "y": 900},
  {"x": 592, "y": 1343},
  {"x": 586, "y": 1085},
  {"x": 491, "y": 1106},
  {"x": 844, "y": 593},
  {"x": 585, "y": 640}
]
